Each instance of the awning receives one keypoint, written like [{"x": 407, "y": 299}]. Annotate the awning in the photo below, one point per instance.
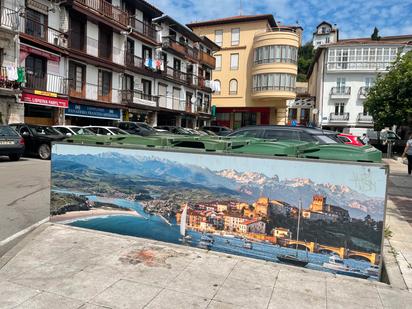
[
  {"x": 87, "y": 111},
  {"x": 43, "y": 100}
]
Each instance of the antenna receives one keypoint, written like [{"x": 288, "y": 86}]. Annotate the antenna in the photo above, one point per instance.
[{"x": 240, "y": 7}]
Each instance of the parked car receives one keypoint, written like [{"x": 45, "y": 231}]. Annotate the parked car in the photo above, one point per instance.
[
  {"x": 175, "y": 130},
  {"x": 197, "y": 132},
  {"x": 37, "y": 139},
  {"x": 218, "y": 130},
  {"x": 102, "y": 130},
  {"x": 350, "y": 139},
  {"x": 11, "y": 143},
  {"x": 138, "y": 128},
  {"x": 73, "y": 130},
  {"x": 289, "y": 133},
  {"x": 380, "y": 139}
]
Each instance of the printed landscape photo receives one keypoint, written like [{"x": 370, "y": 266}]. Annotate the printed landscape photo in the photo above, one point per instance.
[{"x": 238, "y": 205}]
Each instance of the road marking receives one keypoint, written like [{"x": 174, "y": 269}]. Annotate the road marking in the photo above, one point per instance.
[{"x": 22, "y": 232}]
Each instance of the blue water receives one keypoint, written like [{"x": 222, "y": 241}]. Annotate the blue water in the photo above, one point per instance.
[{"x": 154, "y": 227}]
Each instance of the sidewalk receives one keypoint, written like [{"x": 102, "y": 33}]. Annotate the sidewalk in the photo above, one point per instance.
[
  {"x": 399, "y": 218},
  {"x": 66, "y": 267}
]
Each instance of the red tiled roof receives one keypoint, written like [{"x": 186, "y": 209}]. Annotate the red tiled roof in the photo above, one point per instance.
[{"x": 234, "y": 19}]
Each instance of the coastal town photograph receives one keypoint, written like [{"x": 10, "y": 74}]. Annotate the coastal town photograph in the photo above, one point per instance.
[
  {"x": 217, "y": 154},
  {"x": 257, "y": 208}
]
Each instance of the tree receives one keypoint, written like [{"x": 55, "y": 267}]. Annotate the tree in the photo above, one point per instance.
[
  {"x": 375, "y": 35},
  {"x": 305, "y": 57},
  {"x": 389, "y": 101}
]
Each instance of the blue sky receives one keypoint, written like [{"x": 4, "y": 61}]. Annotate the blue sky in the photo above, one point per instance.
[
  {"x": 354, "y": 18},
  {"x": 370, "y": 180}
]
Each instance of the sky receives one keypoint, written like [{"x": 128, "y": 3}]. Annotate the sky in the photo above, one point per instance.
[
  {"x": 370, "y": 180},
  {"x": 354, "y": 18}
]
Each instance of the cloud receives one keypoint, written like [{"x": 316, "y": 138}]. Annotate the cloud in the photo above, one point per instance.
[{"x": 355, "y": 18}]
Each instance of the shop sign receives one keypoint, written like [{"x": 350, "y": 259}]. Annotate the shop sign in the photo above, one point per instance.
[
  {"x": 45, "y": 93},
  {"x": 144, "y": 102},
  {"x": 43, "y": 100},
  {"x": 80, "y": 110}
]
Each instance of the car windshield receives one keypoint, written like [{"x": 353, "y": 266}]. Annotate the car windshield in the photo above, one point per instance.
[
  {"x": 44, "y": 130},
  {"x": 82, "y": 131},
  {"x": 118, "y": 131},
  {"x": 146, "y": 126},
  {"x": 6, "y": 130}
]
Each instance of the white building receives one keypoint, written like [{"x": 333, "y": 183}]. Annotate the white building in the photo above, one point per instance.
[
  {"x": 325, "y": 34},
  {"x": 342, "y": 73}
]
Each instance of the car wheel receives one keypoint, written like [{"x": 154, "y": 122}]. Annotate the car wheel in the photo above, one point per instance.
[
  {"x": 44, "y": 152},
  {"x": 14, "y": 157}
]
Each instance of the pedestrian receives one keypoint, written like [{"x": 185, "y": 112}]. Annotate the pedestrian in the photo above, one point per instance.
[
  {"x": 365, "y": 139},
  {"x": 408, "y": 153}
]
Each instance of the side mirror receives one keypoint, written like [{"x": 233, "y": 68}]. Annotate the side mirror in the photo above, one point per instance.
[
  {"x": 68, "y": 134},
  {"x": 108, "y": 134},
  {"x": 25, "y": 133}
]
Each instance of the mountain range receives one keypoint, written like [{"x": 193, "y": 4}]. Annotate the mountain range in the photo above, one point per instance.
[{"x": 249, "y": 185}]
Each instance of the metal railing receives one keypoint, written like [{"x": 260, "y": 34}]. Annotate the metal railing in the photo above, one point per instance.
[
  {"x": 129, "y": 96},
  {"x": 108, "y": 10},
  {"x": 143, "y": 28},
  {"x": 46, "y": 82},
  {"x": 273, "y": 88},
  {"x": 134, "y": 61},
  {"x": 5, "y": 82},
  {"x": 343, "y": 91},
  {"x": 339, "y": 117},
  {"x": 18, "y": 22},
  {"x": 177, "y": 75},
  {"x": 364, "y": 118},
  {"x": 363, "y": 92}
]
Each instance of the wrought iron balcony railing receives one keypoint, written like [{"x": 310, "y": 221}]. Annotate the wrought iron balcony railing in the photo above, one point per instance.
[{"x": 339, "y": 117}]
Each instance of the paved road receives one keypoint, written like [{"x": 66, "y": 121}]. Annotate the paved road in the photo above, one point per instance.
[{"x": 24, "y": 194}]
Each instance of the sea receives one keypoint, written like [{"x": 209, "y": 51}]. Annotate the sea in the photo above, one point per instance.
[{"x": 158, "y": 228}]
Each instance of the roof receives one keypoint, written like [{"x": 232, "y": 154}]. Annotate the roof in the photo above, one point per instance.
[
  {"x": 178, "y": 26},
  {"x": 209, "y": 43},
  {"x": 234, "y": 19},
  {"x": 146, "y": 6},
  {"x": 324, "y": 23}
]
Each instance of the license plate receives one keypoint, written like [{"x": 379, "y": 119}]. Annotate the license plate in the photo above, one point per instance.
[{"x": 6, "y": 143}]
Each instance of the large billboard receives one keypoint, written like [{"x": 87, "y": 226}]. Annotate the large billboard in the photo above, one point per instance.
[{"x": 326, "y": 216}]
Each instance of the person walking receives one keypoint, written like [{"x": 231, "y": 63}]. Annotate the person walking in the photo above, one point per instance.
[
  {"x": 408, "y": 153},
  {"x": 365, "y": 139}
]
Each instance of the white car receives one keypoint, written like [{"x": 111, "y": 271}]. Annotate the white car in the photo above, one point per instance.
[
  {"x": 73, "y": 130},
  {"x": 102, "y": 130}
]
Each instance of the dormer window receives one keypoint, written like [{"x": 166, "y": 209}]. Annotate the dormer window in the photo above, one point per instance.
[{"x": 323, "y": 29}]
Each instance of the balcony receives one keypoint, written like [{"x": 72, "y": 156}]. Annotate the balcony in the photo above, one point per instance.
[
  {"x": 106, "y": 9},
  {"x": 364, "y": 118},
  {"x": 363, "y": 92},
  {"x": 138, "y": 97},
  {"x": 340, "y": 92},
  {"x": 178, "y": 76},
  {"x": 47, "y": 82},
  {"x": 143, "y": 28},
  {"x": 207, "y": 59},
  {"x": 203, "y": 83},
  {"x": 339, "y": 118},
  {"x": 205, "y": 109},
  {"x": 183, "y": 49},
  {"x": 31, "y": 29},
  {"x": 5, "y": 82},
  {"x": 266, "y": 93}
]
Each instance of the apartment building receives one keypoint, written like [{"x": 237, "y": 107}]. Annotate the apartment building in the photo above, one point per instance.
[
  {"x": 98, "y": 62},
  {"x": 256, "y": 68},
  {"x": 343, "y": 72},
  {"x": 325, "y": 34}
]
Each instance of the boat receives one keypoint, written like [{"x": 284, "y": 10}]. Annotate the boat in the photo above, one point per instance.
[
  {"x": 353, "y": 272},
  {"x": 183, "y": 233},
  {"x": 373, "y": 271},
  {"x": 207, "y": 238},
  {"x": 336, "y": 263},
  {"x": 295, "y": 259},
  {"x": 248, "y": 244}
]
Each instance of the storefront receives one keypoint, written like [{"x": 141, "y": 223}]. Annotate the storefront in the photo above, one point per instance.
[
  {"x": 83, "y": 115},
  {"x": 300, "y": 111},
  {"x": 242, "y": 116},
  {"x": 43, "y": 108}
]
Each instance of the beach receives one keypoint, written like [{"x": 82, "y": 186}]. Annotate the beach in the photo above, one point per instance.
[{"x": 94, "y": 212}]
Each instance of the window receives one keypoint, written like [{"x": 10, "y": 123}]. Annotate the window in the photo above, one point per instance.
[
  {"x": 77, "y": 33},
  {"x": 35, "y": 23},
  {"x": 217, "y": 86},
  {"x": 246, "y": 133},
  {"x": 340, "y": 85},
  {"x": 339, "y": 108},
  {"x": 275, "y": 53},
  {"x": 327, "y": 39},
  {"x": 234, "y": 61},
  {"x": 36, "y": 72},
  {"x": 273, "y": 81},
  {"x": 176, "y": 98},
  {"x": 281, "y": 135},
  {"x": 104, "y": 84},
  {"x": 233, "y": 87},
  {"x": 369, "y": 81},
  {"x": 219, "y": 37},
  {"x": 105, "y": 42},
  {"x": 76, "y": 77},
  {"x": 162, "y": 92},
  {"x": 235, "y": 36},
  {"x": 218, "y": 62}
]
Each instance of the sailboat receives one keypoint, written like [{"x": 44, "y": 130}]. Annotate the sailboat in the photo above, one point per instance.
[
  {"x": 183, "y": 221},
  {"x": 294, "y": 259}
]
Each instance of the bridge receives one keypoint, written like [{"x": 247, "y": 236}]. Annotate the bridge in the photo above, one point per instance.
[{"x": 343, "y": 253}]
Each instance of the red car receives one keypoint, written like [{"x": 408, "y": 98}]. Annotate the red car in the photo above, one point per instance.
[{"x": 350, "y": 139}]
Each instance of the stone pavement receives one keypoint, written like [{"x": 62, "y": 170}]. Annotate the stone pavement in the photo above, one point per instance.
[
  {"x": 65, "y": 267},
  {"x": 399, "y": 219}
]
